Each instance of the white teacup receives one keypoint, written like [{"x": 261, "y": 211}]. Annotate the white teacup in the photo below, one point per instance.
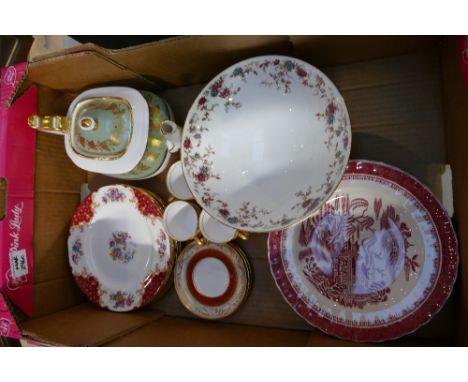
[
  {"x": 176, "y": 183},
  {"x": 180, "y": 221},
  {"x": 217, "y": 232}
]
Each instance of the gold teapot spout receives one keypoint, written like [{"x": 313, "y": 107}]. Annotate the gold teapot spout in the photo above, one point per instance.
[{"x": 55, "y": 124}]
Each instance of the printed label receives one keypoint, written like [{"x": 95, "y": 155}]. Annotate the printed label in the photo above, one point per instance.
[
  {"x": 18, "y": 259},
  {"x": 18, "y": 263}
]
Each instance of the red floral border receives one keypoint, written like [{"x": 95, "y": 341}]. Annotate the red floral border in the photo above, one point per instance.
[
  {"x": 88, "y": 284},
  {"x": 145, "y": 204},
  {"x": 432, "y": 304},
  {"x": 84, "y": 213}
]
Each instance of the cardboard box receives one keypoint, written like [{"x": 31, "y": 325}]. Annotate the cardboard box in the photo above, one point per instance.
[{"x": 408, "y": 106}]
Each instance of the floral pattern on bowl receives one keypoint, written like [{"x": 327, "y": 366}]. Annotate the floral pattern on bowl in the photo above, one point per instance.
[
  {"x": 122, "y": 300},
  {"x": 76, "y": 251},
  {"x": 121, "y": 247},
  {"x": 223, "y": 188},
  {"x": 119, "y": 253}
]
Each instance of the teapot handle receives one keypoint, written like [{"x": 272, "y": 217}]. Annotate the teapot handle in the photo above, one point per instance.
[{"x": 55, "y": 124}]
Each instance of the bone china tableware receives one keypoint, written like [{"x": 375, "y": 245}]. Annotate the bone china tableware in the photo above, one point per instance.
[
  {"x": 376, "y": 262},
  {"x": 265, "y": 143},
  {"x": 119, "y": 253},
  {"x": 216, "y": 232},
  {"x": 176, "y": 183},
  {"x": 180, "y": 221},
  {"x": 212, "y": 280},
  {"x": 114, "y": 131}
]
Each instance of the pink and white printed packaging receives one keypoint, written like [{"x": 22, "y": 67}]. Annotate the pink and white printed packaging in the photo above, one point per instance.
[{"x": 17, "y": 160}]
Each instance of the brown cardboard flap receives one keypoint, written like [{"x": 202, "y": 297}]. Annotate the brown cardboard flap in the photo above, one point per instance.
[
  {"x": 51, "y": 234},
  {"x": 61, "y": 72},
  {"x": 456, "y": 121},
  {"x": 50, "y": 102},
  {"x": 55, "y": 172},
  {"x": 57, "y": 187},
  {"x": 172, "y": 331},
  {"x": 54, "y": 295},
  {"x": 395, "y": 107},
  {"x": 190, "y": 60},
  {"x": 332, "y": 50},
  {"x": 88, "y": 47},
  {"x": 86, "y": 325}
]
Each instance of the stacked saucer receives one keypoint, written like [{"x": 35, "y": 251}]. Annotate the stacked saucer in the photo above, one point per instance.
[{"x": 212, "y": 280}]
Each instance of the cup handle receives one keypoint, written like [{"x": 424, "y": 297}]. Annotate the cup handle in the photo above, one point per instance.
[
  {"x": 55, "y": 124},
  {"x": 172, "y": 133},
  {"x": 199, "y": 239},
  {"x": 243, "y": 235}
]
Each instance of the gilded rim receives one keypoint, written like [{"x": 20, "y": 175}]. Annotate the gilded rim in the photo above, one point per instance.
[{"x": 244, "y": 266}]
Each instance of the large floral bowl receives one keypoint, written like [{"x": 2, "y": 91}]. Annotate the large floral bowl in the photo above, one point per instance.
[{"x": 265, "y": 143}]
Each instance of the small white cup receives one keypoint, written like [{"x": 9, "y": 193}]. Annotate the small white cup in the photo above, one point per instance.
[
  {"x": 173, "y": 135},
  {"x": 176, "y": 183},
  {"x": 217, "y": 232},
  {"x": 180, "y": 221}
]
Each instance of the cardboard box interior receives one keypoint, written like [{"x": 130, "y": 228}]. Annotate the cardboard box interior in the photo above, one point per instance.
[{"x": 408, "y": 106}]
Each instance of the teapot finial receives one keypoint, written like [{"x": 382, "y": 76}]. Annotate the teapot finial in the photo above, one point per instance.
[{"x": 87, "y": 123}]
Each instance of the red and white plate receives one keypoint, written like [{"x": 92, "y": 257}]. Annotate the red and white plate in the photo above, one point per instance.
[
  {"x": 212, "y": 280},
  {"x": 377, "y": 261},
  {"x": 119, "y": 253}
]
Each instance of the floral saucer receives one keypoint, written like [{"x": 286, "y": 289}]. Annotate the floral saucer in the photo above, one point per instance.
[
  {"x": 265, "y": 143},
  {"x": 376, "y": 262},
  {"x": 212, "y": 280},
  {"x": 119, "y": 253}
]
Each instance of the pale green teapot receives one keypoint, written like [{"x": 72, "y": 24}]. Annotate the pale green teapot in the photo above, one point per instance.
[{"x": 114, "y": 131}]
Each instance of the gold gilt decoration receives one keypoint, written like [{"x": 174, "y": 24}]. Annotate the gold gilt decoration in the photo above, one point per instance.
[
  {"x": 140, "y": 167},
  {"x": 96, "y": 145},
  {"x": 119, "y": 107},
  {"x": 114, "y": 107}
]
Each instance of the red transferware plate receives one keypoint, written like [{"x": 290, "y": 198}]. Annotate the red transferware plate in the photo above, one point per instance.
[{"x": 377, "y": 261}]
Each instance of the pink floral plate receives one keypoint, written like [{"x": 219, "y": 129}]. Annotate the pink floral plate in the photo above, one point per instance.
[
  {"x": 376, "y": 262},
  {"x": 119, "y": 253},
  {"x": 265, "y": 143}
]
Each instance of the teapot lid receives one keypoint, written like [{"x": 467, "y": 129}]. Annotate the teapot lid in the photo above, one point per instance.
[
  {"x": 101, "y": 127},
  {"x": 108, "y": 129}
]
